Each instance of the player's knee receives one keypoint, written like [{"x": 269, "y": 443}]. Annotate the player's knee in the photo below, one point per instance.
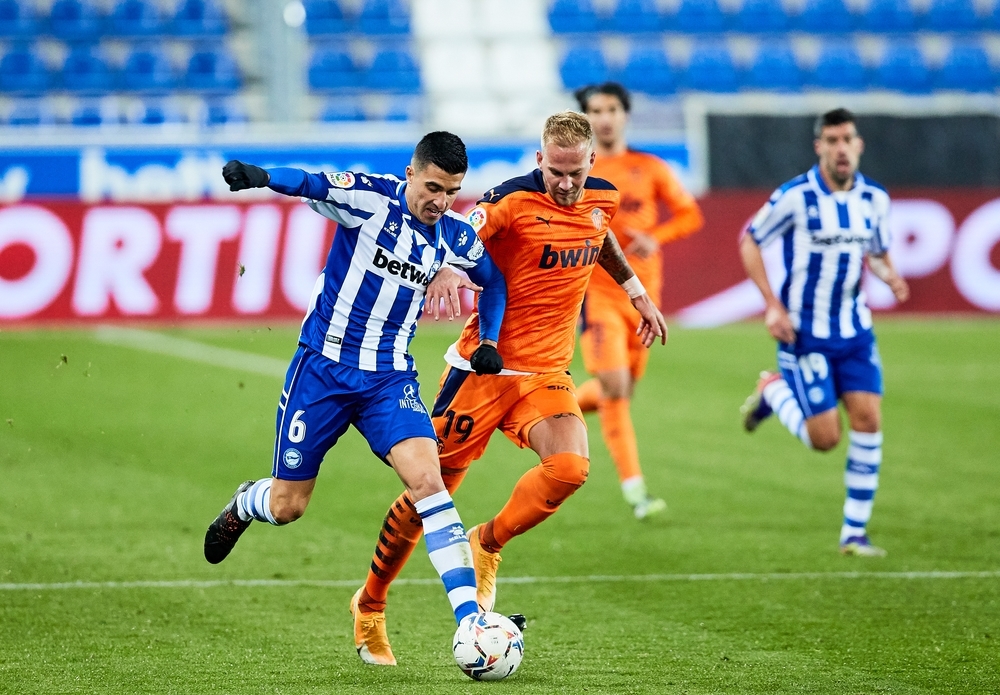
[
  {"x": 824, "y": 440},
  {"x": 571, "y": 469},
  {"x": 866, "y": 422},
  {"x": 288, "y": 510}
]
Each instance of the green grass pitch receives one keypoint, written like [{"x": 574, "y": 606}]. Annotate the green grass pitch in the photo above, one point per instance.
[{"x": 114, "y": 461}]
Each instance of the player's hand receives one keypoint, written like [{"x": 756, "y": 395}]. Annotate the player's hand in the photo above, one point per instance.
[
  {"x": 486, "y": 359},
  {"x": 900, "y": 288},
  {"x": 652, "y": 325},
  {"x": 642, "y": 245},
  {"x": 240, "y": 176},
  {"x": 444, "y": 288},
  {"x": 778, "y": 323}
]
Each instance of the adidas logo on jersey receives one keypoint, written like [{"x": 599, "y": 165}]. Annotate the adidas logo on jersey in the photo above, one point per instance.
[
  {"x": 568, "y": 258},
  {"x": 406, "y": 271}
]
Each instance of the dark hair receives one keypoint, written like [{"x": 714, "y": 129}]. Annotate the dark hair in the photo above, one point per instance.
[
  {"x": 612, "y": 89},
  {"x": 442, "y": 149},
  {"x": 835, "y": 117}
]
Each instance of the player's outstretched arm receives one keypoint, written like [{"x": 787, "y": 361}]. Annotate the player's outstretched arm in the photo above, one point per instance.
[
  {"x": 286, "y": 180},
  {"x": 612, "y": 259},
  {"x": 885, "y": 271}
]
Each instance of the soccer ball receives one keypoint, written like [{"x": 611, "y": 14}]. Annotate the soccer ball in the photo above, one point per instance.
[{"x": 487, "y": 646}]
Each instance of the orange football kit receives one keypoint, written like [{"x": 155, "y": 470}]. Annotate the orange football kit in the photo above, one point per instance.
[
  {"x": 547, "y": 254},
  {"x": 608, "y": 341}
]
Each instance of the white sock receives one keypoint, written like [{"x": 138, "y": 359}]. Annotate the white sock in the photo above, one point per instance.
[
  {"x": 864, "y": 457},
  {"x": 449, "y": 551},
  {"x": 255, "y": 503},
  {"x": 787, "y": 409},
  {"x": 634, "y": 490}
]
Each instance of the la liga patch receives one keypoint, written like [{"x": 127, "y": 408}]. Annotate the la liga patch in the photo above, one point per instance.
[
  {"x": 477, "y": 218},
  {"x": 341, "y": 179}
]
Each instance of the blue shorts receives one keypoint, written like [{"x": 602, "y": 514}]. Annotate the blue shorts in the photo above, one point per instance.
[
  {"x": 818, "y": 375},
  {"x": 322, "y": 397}
]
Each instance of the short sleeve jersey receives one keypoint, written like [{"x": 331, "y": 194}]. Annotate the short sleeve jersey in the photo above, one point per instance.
[{"x": 547, "y": 253}]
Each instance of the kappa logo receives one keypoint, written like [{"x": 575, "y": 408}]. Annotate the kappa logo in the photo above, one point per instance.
[
  {"x": 456, "y": 533},
  {"x": 410, "y": 401},
  {"x": 463, "y": 238},
  {"x": 405, "y": 271},
  {"x": 341, "y": 179},
  {"x": 477, "y": 218},
  {"x": 392, "y": 229}
]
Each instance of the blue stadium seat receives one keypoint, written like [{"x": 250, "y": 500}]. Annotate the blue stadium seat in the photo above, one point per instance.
[
  {"x": 212, "y": 70},
  {"x": 384, "y": 17},
  {"x": 839, "y": 67},
  {"x": 993, "y": 20},
  {"x": 393, "y": 70},
  {"x": 583, "y": 65},
  {"x": 31, "y": 113},
  {"x": 903, "y": 68},
  {"x": 775, "y": 68},
  {"x": 762, "y": 16},
  {"x": 887, "y": 16},
  {"x": 84, "y": 71},
  {"x": 157, "y": 113},
  {"x": 225, "y": 112},
  {"x": 89, "y": 114},
  {"x": 199, "y": 18},
  {"x": 967, "y": 68},
  {"x": 635, "y": 16},
  {"x": 17, "y": 20},
  {"x": 23, "y": 72},
  {"x": 75, "y": 20},
  {"x": 402, "y": 109},
  {"x": 573, "y": 17},
  {"x": 148, "y": 70},
  {"x": 333, "y": 69},
  {"x": 337, "y": 110},
  {"x": 711, "y": 69},
  {"x": 697, "y": 17},
  {"x": 325, "y": 17},
  {"x": 952, "y": 15},
  {"x": 648, "y": 70},
  {"x": 826, "y": 17},
  {"x": 136, "y": 18}
]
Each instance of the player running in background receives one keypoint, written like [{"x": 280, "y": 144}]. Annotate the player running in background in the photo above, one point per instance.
[
  {"x": 612, "y": 352},
  {"x": 547, "y": 231},
  {"x": 352, "y": 366},
  {"x": 829, "y": 220}
]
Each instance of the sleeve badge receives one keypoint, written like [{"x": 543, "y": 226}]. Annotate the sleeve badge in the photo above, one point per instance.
[
  {"x": 477, "y": 218},
  {"x": 341, "y": 179}
]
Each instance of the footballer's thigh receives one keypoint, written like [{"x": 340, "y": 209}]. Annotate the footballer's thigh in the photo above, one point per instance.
[
  {"x": 547, "y": 417},
  {"x": 415, "y": 461}
]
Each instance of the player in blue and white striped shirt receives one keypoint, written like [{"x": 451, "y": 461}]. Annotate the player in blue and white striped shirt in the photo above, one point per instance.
[
  {"x": 829, "y": 220},
  {"x": 352, "y": 366}
]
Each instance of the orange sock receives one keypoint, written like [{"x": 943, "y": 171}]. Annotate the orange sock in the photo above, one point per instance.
[
  {"x": 536, "y": 497},
  {"x": 619, "y": 435},
  {"x": 400, "y": 533},
  {"x": 588, "y": 395}
]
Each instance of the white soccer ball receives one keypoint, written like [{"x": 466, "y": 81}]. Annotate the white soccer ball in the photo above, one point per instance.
[{"x": 487, "y": 646}]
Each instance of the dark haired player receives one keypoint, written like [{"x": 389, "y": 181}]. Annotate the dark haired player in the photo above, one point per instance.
[
  {"x": 830, "y": 220},
  {"x": 352, "y": 366}
]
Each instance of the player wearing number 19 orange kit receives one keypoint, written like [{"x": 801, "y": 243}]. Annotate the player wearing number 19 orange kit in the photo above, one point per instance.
[
  {"x": 611, "y": 351},
  {"x": 547, "y": 232}
]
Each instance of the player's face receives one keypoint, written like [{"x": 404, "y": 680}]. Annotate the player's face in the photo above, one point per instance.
[
  {"x": 839, "y": 148},
  {"x": 565, "y": 170},
  {"x": 431, "y": 191},
  {"x": 608, "y": 118}
]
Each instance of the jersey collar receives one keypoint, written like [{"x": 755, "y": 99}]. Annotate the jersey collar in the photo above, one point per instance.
[{"x": 821, "y": 183}]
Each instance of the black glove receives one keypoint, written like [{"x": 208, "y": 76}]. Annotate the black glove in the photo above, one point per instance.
[
  {"x": 486, "y": 360},
  {"x": 239, "y": 175}
]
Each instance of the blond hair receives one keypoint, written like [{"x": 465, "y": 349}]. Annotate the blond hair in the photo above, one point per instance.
[{"x": 567, "y": 129}]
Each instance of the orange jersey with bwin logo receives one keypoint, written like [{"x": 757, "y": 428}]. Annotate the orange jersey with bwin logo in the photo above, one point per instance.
[{"x": 547, "y": 253}]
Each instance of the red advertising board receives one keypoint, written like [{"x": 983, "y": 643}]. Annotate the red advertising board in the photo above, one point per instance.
[{"x": 68, "y": 261}]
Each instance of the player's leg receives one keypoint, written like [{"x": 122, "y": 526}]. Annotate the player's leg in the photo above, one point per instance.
[{"x": 860, "y": 375}]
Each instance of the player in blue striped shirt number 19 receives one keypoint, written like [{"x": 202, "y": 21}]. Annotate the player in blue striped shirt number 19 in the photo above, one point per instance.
[
  {"x": 829, "y": 221},
  {"x": 352, "y": 366}
]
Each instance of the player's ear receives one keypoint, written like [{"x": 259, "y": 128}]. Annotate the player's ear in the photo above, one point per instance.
[
  {"x": 861, "y": 146},
  {"x": 538, "y": 157},
  {"x": 410, "y": 173}
]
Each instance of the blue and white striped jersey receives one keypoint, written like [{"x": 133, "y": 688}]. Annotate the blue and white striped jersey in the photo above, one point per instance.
[
  {"x": 825, "y": 236},
  {"x": 367, "y": 301}
]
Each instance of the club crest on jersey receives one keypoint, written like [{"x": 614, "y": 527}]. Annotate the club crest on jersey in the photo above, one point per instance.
[
  {"x": 597, "y": 217},
  {"x": 292, "y": 458},
  {"x": 477, "y": 218},
  {"x": 341, "y": 179},
  {"x": 410, "y": 400}
]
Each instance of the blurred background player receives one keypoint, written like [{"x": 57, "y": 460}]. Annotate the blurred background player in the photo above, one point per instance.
[
  {"x": 352, "y": 366},
  {"x": 830, "y": 220},
  {"x": 547, "y": 231},
  {"x": 612, "y": 352}
]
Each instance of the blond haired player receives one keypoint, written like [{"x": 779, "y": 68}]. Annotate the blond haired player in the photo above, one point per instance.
[
  {"x": 612, "y": 352},
  {"x": 547, "y": 231}
]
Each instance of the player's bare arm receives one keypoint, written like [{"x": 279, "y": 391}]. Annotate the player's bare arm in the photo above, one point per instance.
[
  {"x": 612, "y": 259},
  {"x": 444, "y": 289},
  {"x": 776, "y": 318},
  {"x": 885, "y": 271},
  {"x": 643, "y": 245}
]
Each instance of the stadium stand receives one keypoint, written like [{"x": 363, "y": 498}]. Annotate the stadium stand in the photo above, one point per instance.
[
  {"x": 967, "y": 68},
  {"x": 762, "y": 16},
  {"x": 17, "y": 20},
  {"x": 23, "y": 72},
  {"x": 888, "y": 16},
  {"x": 952, "y": 16},
  {"x": 775, "y": 68},
  {"x": 149, "y": 70},
  {"x": 648, "y": 70},
  {"x": 903, "y": 68},
  {"x": 839, "y": 68},
  {"x": 136, "y": 18},
  {"x": 326, "y": 17},
  {"x": 573, "y": 17},
  {"x": 711, "y": 69},
  {"x": 635, "y": 17},
  {"x": 698, "y": 17},
  {"x": 583, "y": 65},
  {"x": 826, "y": 17}
]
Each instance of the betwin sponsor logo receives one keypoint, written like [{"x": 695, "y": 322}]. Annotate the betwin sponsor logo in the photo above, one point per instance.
[{"x": 405, "y": 271}]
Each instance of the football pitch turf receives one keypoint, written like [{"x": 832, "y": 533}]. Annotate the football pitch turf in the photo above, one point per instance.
[{"x": 114, "y": 459}]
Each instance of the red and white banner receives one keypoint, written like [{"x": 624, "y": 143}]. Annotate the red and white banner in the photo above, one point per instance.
[{"x": 68, "y": 261}]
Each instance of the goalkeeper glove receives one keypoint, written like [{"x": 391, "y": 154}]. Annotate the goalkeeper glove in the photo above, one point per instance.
[
  {"x": 486, "y": 360},
  {"x": 239, "y": 175}
]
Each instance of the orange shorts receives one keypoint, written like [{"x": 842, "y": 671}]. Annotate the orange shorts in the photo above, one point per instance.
[
  {"x": 608, "y": 341},
  {"x": 468, "y": 408}
]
